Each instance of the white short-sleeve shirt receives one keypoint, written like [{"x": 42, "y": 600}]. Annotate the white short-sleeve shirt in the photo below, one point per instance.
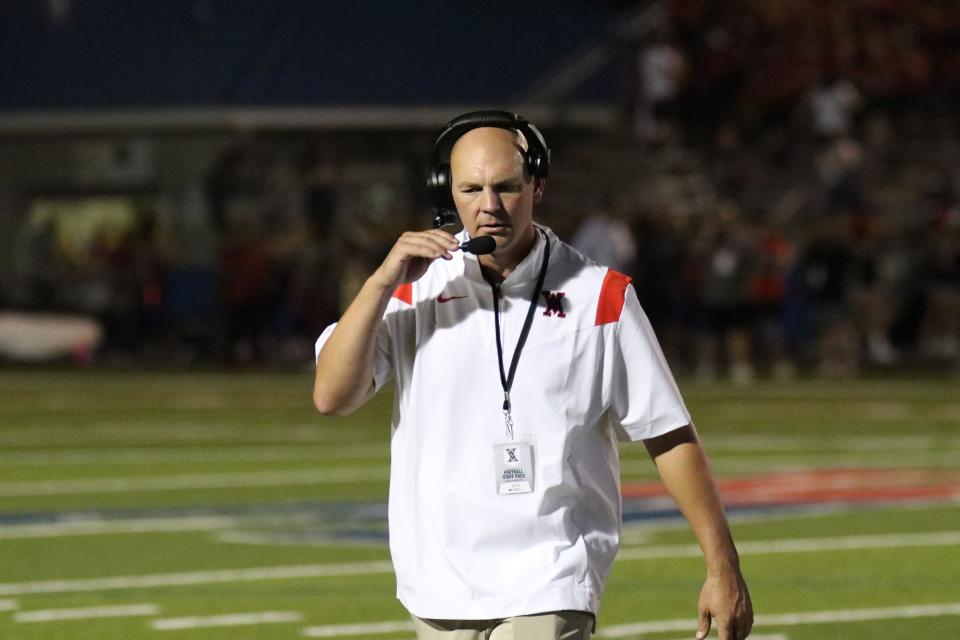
[{"x": 591, "y": 372}]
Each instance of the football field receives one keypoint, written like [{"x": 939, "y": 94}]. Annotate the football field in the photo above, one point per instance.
[{"x": 222, "y": 506}]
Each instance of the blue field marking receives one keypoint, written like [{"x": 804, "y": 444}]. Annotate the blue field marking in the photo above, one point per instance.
[{"x": 285, "y": 523}]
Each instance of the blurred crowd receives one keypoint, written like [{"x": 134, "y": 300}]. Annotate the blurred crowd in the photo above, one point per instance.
[
  {"x": 851, "y": 258},
  {"x": 831, "y": 290},
  {"x": 795, "y": 209},
  {"x": 755, "y": 61}
]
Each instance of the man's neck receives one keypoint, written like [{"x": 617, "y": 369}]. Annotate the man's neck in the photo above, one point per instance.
[{"x": 496, "y": 267}]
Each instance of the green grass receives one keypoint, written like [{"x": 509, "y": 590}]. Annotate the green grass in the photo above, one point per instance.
[{"x": 244, "y": 456}]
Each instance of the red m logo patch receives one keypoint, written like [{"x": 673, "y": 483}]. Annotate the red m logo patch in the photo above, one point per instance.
[{"x": 554, "y": 301}]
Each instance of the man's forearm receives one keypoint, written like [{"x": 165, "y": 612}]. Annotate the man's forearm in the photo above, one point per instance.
[
  {"x": 345, "y": 364},
  {"x": 685, "y": 471}
]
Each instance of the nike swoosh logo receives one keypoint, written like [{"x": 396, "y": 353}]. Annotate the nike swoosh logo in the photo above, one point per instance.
[{"x": 441, "y": 299}]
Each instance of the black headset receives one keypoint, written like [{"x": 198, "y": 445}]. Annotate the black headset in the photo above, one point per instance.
[{"x": 440, "y": 182}]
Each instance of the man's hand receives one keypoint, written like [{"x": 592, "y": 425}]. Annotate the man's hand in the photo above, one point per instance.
[
  {"x": 345, "y": 364},
  {"x": 412, "y": 254},
  {"x": 725, "y": 599}
]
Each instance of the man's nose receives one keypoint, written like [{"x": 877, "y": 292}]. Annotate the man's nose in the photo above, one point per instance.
[{"x": 490, "y": 200}]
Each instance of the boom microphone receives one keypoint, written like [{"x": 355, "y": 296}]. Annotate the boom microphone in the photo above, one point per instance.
[{"x": 479, "y": 246}]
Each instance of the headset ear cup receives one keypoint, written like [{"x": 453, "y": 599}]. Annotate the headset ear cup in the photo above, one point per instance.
[
  {"x": 439, "y": 184},
  {"x": 533, "y": 164},
  {"x": 537, "y": 165}
]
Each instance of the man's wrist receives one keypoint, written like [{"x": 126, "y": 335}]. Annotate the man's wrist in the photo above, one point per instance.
[
  {"x": 726, "y": 564},
  {"x": 377, "y": 285}
]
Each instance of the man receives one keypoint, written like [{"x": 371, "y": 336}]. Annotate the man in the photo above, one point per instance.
[{"x": 515, "y": 373}]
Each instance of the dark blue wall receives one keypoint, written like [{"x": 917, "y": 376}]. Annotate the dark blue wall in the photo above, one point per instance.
[{"x": 118, "y": 53}]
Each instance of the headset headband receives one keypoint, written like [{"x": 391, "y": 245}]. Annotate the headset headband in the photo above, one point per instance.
[{"x": 537, "y": 145}]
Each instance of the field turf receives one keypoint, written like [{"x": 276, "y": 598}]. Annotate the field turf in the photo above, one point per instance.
[{"x": 214, "y": 506}]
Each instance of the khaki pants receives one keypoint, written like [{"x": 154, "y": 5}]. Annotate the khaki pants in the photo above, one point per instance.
[{"x": 559, "y": 625}]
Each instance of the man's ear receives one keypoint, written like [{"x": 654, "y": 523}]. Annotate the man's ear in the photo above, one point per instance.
[{"x": 538, "y": 185}]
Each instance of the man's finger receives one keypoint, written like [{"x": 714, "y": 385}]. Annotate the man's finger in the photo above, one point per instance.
[
  {"x": 442, "y": 236},
  {"x": 727, "y": 630},
  {"x": 703, "y": 625},
  {"x": 443, "y": 239},
  {"x": 424, "y": 247}
]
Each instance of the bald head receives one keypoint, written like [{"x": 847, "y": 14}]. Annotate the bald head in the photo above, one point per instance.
[{"x": 487, "y": 144}]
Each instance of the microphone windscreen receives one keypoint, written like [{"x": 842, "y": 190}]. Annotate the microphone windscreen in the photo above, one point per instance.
[{"x": 480, "y": 246}]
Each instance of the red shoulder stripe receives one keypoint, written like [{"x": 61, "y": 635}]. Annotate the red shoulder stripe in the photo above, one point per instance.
[
  {"x": 404, "y": 292},
  {"x": 611, "y": 296}
]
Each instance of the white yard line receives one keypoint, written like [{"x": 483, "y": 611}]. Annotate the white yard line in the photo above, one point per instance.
[
  {"x": 8, "y": 605},
  {"x": 791, "y": 619},
  {"x": 198, "y": 455},
  {"x": 362, "y": 629},
  {"x": 801, "y": 545},
  {"x": 288, "y": 572},
  {"x": 117, "y": 432},
  {"x": 111, "y": 527},
  {"x": 191, "y": 481},
  {"x": 266, "y": 539},
  {"x": 112, "y": 583},
  {"x": 87, "y": 613},
  {"x": 226, "y": 620}
]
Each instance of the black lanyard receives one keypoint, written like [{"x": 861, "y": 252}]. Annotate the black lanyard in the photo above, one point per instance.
[{"x": 506, "y": 381}]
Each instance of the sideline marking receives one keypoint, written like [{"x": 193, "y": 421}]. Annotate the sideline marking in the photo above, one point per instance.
[
  {"x": 337, "y": 630},
  {"x": 793, "y": 619},
  {"x": 8, "y": 605},
  {"x": 192, "y": 481},
  {"x": 801, "y": 545},
  {"x": 884, "y": 541},
  {"x": 87, "y": 613},
  {"x": 226, "y": 620},
  {"x": 149, "y": 581}
]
